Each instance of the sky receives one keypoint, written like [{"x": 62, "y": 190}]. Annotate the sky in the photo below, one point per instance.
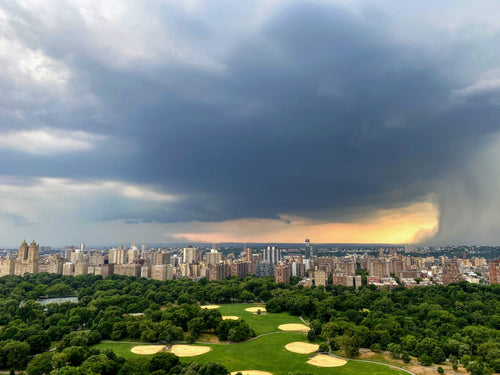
[{"x": 252, "y": 121}]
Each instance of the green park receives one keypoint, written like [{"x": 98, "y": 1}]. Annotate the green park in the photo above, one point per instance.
[
  {"x": 122, "y": 326},
  {"x": 266, "y": 352}
]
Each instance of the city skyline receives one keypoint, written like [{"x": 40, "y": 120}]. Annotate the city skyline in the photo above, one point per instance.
[{"x": 342, "y": 122}]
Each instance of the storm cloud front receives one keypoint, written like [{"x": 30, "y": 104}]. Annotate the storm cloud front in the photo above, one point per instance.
[{"x": 249, "y": 121}]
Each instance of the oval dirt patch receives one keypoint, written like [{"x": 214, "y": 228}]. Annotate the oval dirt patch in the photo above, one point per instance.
[
  {"x": 147, "y": 349},
  {"x": 323, "y": 360},
  {"x": 301, "y": 347},
  {"x": 293, "y": 327},
  {"x": 210, "y": 307},
  {"x": 255, "y": 309},
  {"x": 189, "y": 350}
]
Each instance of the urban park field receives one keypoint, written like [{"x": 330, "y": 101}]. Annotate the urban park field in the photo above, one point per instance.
[{"x": 266, "y": 352}]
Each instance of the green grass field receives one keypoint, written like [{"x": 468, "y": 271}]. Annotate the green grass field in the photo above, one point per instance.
[
  {"x": 266, "y": 353},
  {"x": 259, "y": 323}
]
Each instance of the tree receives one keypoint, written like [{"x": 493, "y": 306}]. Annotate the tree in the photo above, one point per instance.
[
  {"x": 196, "y": 326},
  {"x": 99, "y": 364},
  {"x": 68, "y": 370},
  {"x": 16, "y": 354},
  {"x": 119, "y": 331},
  {"x": 349, "y": 344},
  {"x": 438, "y": 355},
  {"x": 311, "y": 335},
  {"x": 408, "y": 343},
  {"x": 135, "y": 366},
  {"x": 74, "y": 355},
  {"x": 477, "y": 368},
  {"x": 41, "y": 364},
  {"x": 395, "y": 349},
  {"x": 426, "y": 346},
  {"x": 425, "y": 360},
  {"x": 39, "y": 343},
  {"x": 405, "y": 357},
  {"x": 211, "y": 368},
  {"x": 323, "y": 347},
  {"x": 59, "y": 290},
  {"x": 163, "y": 361},
  {"x": 440, "y": 370}
]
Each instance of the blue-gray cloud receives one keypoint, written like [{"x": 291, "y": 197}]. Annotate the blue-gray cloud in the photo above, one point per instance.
[{"x": 313, "y": 110}]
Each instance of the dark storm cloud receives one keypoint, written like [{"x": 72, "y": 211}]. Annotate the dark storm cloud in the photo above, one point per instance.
[{"x": 319, "y": 113}]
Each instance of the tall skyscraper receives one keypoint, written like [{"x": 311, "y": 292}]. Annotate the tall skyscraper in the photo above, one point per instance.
[
  {"x": 308, "y": 249},
  {"x": 249, "y": 254}
]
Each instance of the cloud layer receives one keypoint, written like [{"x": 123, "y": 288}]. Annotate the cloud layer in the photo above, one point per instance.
[{"x": 333, "y": 112}]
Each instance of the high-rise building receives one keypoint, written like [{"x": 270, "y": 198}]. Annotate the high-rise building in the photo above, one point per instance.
[
  {"x": 272, "y": 255},
  {"x": 320, "y": 278},
  {"x": 132, "y": 254},
  {"x": 80, "y": 269},
  {"x": 282, "y": 273},
  {"x": 264, "y": 269},
  {"x": 213, "y": 257},
  {"x": 495, "y": 272},
  {"x": 379, "y": 267},
  {"x": 219, "y": 271},
  {"x": 190, "y": 254},
  {"x": 298, "y": 269},
  {"x": 163, "y": 258},
  {"x": 451, "y": 273},
  {"x": 308, "y": 249},
  {"x": 249, "y": 254},
  {"x": 28, "y": 259},
  {"x": 118, "y": 256},
  {"x": 162, "y": 272}
]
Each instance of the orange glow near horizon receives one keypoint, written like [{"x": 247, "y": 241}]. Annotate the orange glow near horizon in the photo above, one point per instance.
[{"x": 410, "y": 224}]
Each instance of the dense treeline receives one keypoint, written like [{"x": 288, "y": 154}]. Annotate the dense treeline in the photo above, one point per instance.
[
  {"x": 460, "y": 322},
  {"x": 113, "y": 308}
]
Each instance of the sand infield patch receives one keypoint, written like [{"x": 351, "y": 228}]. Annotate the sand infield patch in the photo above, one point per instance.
[
  {"x": 147, "y": 349},
  {"x": 293, "y": 327},
  {"x": 323, "y": 360},
  {"x": 189, "y": 350},
  {"x": 301, "y": 347},
  {"x": 230, "y": 317},
  {"x": 252, "y": 372},
  {"x": 210, "y": 307},
  {"x": 255, "y": 309}
]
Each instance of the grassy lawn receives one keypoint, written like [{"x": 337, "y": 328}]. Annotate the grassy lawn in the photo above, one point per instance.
[
  {"x": 259, "y": 323},
  {"x": 266, "y": 353}
]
